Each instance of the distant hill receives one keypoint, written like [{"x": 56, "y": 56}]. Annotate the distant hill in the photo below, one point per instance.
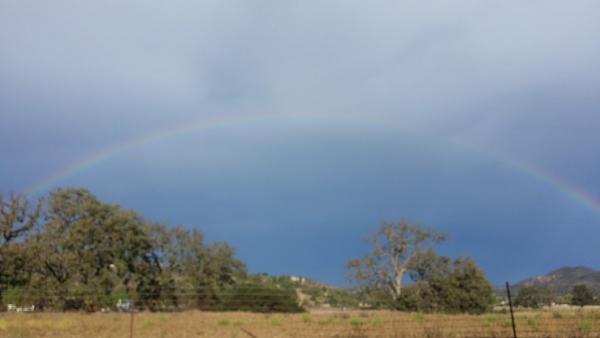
[{"x": 562, "y": 281}]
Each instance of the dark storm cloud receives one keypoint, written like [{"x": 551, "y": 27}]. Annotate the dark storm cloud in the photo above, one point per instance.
[{"x": 388, "y": 93}]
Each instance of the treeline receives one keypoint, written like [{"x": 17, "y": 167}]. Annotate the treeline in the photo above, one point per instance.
[
  {"x": 537, "y": 296},
  {"x": 71, "y": 251}
]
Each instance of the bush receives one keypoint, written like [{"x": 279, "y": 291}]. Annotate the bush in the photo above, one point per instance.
[
  {"x": 259, "y": 297},
  {"x": 462, "y": 288},
  {"x": 582, "y": 295},
  {"x": 533, "y": 297}
]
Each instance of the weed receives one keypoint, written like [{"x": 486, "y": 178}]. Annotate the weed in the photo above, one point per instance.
[
  {"x": 489, "y": 320},
  {"x": 306, "y": 318},
  {"x": 357, "y": 322},
  {"x": 223, "y": 322},
  {"x": 585, "y": 326},
  {"x": 148, "y": 323},
  {"x": 377, "y": 322},
  {"x": 533, "y": 323},
  {"x": 329, "y": 320},
  {"x": 163, "y": 318},
  {"x": 419, "y": 317},
  {"x": 594, "y": 315},
  {"x": 277, "y": 320}
]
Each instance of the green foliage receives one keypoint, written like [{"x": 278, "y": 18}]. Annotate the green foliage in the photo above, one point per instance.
[
  {"x": 533, "y": 323},
  {"x": 489, "y": 320},
  {"x": 394, "y": 247},
  {"x": 259, "y": 296},
  {"x": 585, "y": 326},
  {"x": 355, "y": 321},
  {"x": 440, "y": 283},
  {"x": 457, "y": 286},
  {"x": 88, "y": 250},
  {"x": 533, "y": 297},
  {"x": 17, "y": 220},
  {"x": 411, "y": 298},
  {"x": 85, "y": 253},
  {"x": 582, "y": 295},
  {"x": 277, "y": 320},
  {"x": 377, "y": 322},
  {"x": 342, "y": 298}
]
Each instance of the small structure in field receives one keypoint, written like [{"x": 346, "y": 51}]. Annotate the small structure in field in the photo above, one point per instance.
[
  {"x": 15, "y": 308},
  {"x": 123, "y": 305},
  {"x": 297, "y": 279}
]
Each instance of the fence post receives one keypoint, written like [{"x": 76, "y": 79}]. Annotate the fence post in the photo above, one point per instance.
[
  {"x": 133, "y": 285},
  {"x": 512, "y": 315}
]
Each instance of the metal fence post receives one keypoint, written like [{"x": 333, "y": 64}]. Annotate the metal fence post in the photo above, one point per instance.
[
  {"x": 512, "y": 315},
  {"x": 133, "y": 287}
]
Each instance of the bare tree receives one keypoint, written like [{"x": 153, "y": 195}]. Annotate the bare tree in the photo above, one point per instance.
[{"x": 395, "y": 245}]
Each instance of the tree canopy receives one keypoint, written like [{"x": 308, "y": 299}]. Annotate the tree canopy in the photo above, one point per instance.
[
  {"x": 534, "y": 296},
  {"x": 74, "y": 251},
  {"x": 439, "y": 283},
  {"x": 582, "y": 295},
  {"x": 394, "y": 247}
]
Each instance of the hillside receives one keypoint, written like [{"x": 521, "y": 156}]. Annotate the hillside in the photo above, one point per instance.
[
  {"x": 315, "y": 294},
  {"x": 562, "y": 280}
]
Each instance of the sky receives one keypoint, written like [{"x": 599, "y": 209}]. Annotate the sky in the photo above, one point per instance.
[{"x": 292, "y": 129}]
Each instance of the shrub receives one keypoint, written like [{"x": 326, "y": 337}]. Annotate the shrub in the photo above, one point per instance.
[{"x": 259, "y": 297}]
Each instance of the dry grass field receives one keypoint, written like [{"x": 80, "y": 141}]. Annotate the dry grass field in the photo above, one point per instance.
[{"x": 331, "y": 324}]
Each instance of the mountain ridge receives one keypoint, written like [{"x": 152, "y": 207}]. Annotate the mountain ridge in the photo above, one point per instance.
[{"x": 562, "y": 280}]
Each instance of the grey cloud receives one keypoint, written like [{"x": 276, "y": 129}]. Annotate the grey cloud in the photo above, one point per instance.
[{"x": 398, "y": 77}]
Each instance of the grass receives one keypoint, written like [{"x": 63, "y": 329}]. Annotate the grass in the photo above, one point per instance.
[
  {"x": 357, "y": 321},
  {"x": 277, "y": 320},
  {"x": 306, "y": 318},
  {"x": 325, "y": 324},
  {"x": 490, "y": 320},
  {"x": 223, "y": 322}
]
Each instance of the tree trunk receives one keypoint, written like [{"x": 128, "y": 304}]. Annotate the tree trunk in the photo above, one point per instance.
[{"x": 397, "y": 283}]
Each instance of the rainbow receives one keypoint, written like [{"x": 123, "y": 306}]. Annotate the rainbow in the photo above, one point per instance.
[
  {"x": 569, "y": 190},
  {"x": 108, "y": 152}
]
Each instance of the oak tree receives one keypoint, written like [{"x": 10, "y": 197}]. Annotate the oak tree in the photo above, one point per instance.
[{"x": 395, "y": 246}]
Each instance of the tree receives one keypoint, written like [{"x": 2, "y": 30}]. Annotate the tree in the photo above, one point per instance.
[
  {"x": 582, "y": 295},
  {"x": 394, "y": 247},
  {"x": 259, "y": 296},
  {"x": 219, "y": 270},
  {"x": 534, "y": 296},
  {"x": 181, "y": 253},
  {"x": 85, "y": 254},
  {"x": 446, "y": 285},
  {"x": 193, "y": 272},
  {"x": 17, "y": 219},
  {"x": 466, "y": 288},
  {"x": 88, "y": 249}
]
